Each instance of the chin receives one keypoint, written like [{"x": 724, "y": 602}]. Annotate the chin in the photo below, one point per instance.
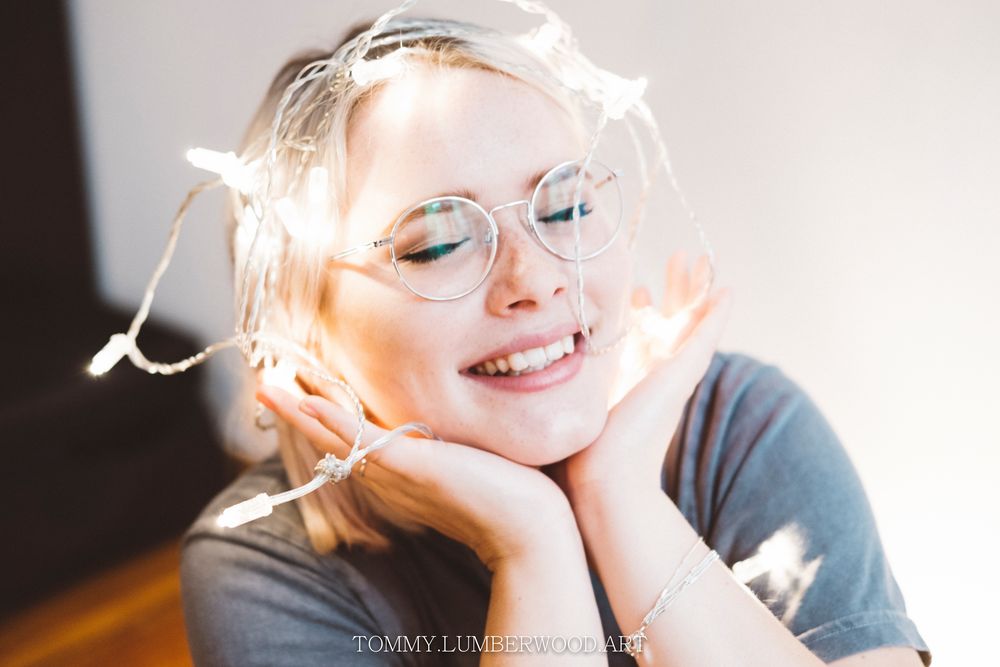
[{"x": 541, "y": 444}]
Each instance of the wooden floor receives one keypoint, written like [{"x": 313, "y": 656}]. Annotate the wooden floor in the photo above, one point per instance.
[{"x": 130, "y": 615}]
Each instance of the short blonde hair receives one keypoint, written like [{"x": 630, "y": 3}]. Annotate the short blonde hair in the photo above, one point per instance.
[{"x": 300, "y": 304}]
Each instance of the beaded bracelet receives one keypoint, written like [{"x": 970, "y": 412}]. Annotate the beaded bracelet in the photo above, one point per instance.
[{"x": 670, "y": 593}]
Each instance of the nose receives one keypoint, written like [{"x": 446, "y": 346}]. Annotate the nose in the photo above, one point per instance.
[{"x": 525, "y": 276}]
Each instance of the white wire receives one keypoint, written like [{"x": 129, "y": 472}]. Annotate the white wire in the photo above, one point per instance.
[{"x": 259, "y": 272}]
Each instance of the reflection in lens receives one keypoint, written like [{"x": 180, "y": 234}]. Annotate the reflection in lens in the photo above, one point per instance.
[
  {"x": 599, "y": 207},
  {"x": 443, "y": 247}
]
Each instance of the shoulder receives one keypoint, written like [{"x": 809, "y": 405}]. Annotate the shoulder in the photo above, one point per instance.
[
  {"x": 281, "y": 535},
  {"x": 750, "y": 430},
  {"x": 762, "y": 475},
  {"x": 743, "y": 408},
  {"x": 269, "y": 477},
  {"x": 739, "y": 388},
  {"x": 252, "y": 591}
]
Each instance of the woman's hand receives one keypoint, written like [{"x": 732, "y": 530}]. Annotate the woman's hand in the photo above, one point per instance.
[
  {"x": 500, "y": 509},
  {"x": 630, "y": 451}
]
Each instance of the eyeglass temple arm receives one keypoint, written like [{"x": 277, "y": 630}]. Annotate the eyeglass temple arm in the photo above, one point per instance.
[
  {"x": 615, "y": 173},
  {"x": 358, "y": 248}
]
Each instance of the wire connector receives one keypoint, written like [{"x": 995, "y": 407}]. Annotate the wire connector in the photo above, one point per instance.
[
  {"x": 256, "y": 508},
  {"x": 117, "y": 347}
]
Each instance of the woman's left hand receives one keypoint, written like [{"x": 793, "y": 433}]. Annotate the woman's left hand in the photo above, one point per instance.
[{"x": 629, "y": 453}]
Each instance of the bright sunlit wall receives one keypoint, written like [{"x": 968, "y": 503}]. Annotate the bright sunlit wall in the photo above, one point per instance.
[{"x": 843, "y": 157}]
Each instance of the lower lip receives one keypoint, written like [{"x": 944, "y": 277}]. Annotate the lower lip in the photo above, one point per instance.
[{"x": 554, "y": 374}]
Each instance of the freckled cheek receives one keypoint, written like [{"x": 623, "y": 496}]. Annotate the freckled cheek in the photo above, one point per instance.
[
  {"x": 610, "y": 280},
  {"x": 403, "y": 342}
]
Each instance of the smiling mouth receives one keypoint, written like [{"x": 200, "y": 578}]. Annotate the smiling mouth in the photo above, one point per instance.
[{"x": 530, "y": 360}]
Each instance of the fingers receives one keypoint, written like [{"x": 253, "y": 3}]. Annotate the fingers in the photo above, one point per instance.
[
  {"x": 334, "y": 429},
  {"x": 641, "y": 298},
  {"x": 321, "y": 387},
  {"x": 337, "y": 420},
  {"x": 701, "y": 274},
  {"x": 286, "y": 406},
  {"x": 678, "y": 283}
]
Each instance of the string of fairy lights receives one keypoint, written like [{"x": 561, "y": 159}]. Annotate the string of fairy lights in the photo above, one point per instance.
[{"x": 612, "y": 97}]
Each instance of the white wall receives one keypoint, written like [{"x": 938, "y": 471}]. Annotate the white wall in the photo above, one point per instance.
[{"x": 843, "y": 156}]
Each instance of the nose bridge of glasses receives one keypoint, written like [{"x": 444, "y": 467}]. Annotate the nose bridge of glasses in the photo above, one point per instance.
[{"x": 514, "y": 204}]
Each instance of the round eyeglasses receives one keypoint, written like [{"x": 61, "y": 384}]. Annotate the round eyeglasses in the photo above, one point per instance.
[{"x": 443, "y": 248}]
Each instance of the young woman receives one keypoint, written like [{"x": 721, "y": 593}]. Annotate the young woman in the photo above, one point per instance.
[{"x": 445, "y": 291}]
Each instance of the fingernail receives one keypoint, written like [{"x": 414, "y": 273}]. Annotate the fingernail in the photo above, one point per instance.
[{"x": 307, "y": 409}]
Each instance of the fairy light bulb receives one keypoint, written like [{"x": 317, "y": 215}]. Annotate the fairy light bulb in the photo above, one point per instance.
[
  {"x": 288, "y": 213},
  {"x": 234, "y": 173},
  {"x": 319, "y": 186},
  {"x": 282, "y": 376},
  {"x": 543, "y": 39},
  {"x": 653, "y": 337},
  {"x": 662, "y": 331},
  {"x": 112, "y": 352},
  {"x": 257, "y": 507},
  {"x": 368, "y": 71},
  {"x": 621, "y": 94},
  {"x": 307, "y": 216}
]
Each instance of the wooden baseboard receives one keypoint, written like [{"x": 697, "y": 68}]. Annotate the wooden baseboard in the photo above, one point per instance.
[{"x": 129, "y": 615}]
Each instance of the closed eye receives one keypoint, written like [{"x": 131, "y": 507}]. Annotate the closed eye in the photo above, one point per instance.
[
  {"x": 566, "y": 214},
  {"x": 432, "y": 253}
]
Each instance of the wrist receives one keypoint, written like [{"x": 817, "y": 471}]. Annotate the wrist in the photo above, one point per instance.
[
  {"x": 548, "y": 534},
  {"x": 607, "y": 507},
  {"x": 613, "y": 489}
]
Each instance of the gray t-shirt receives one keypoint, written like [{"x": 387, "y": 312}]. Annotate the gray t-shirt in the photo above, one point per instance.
[{"x": 754, "y": 467}]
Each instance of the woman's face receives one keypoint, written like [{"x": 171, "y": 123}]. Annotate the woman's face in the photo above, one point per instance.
[{"x": 454, "y": 131}]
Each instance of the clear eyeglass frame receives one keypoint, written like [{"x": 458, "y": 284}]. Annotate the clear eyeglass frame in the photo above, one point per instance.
[{"x": 494, "y": 231}]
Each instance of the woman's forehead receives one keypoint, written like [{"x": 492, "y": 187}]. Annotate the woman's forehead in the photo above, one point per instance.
[{"x": 440, "y": 130}]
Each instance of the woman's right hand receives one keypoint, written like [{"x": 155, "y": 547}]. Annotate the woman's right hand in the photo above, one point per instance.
[{"x": 500, "y": 509}]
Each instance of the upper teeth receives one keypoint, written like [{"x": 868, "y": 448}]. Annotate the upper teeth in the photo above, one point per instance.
[{"x": 532, "y": 359}]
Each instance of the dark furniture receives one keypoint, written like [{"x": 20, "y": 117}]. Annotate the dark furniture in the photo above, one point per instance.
[{"x": 94, "y": 469}]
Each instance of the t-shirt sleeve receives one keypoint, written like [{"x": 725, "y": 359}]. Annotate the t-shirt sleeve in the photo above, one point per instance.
[
  {"x": 253, "y": 599},
  {"x": 792, "y": 520}
]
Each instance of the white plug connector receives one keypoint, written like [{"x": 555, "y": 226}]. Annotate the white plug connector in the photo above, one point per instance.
[
  {"x": 256, "y": 508},
  {"x": 117, "y": 347}
]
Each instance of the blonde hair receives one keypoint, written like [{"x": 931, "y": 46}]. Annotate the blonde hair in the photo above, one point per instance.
[{"x": 299, "y": 303}]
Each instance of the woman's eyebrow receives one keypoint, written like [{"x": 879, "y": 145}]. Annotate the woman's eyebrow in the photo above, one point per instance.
[
  {"x": 532, "y": 181},
  {"x": 529, "y": 185},
  {"x": 462, "y": 192}
]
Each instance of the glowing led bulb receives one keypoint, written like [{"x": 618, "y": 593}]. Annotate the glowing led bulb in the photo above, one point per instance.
[
  {"x": 281, "y": 375},
  {"x": 318, "y": 191},
  {"x": 256, "y": 508},
  {"x": 288, "y": 213},
  {"x": 543, "y": 38},
  {"x": 653, "y": 337},
  {"x": 662, "y": 332},
  {"x": 622, "y": 94},
  {"x": 112, "y": 352},
  {"x": 319, "y": 185},
  {"x": 234, "y": 173},
  {"x": 392, "y": 64}
]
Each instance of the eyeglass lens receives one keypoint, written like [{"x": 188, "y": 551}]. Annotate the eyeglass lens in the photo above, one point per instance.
[{"x": 444, "y": 247}]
